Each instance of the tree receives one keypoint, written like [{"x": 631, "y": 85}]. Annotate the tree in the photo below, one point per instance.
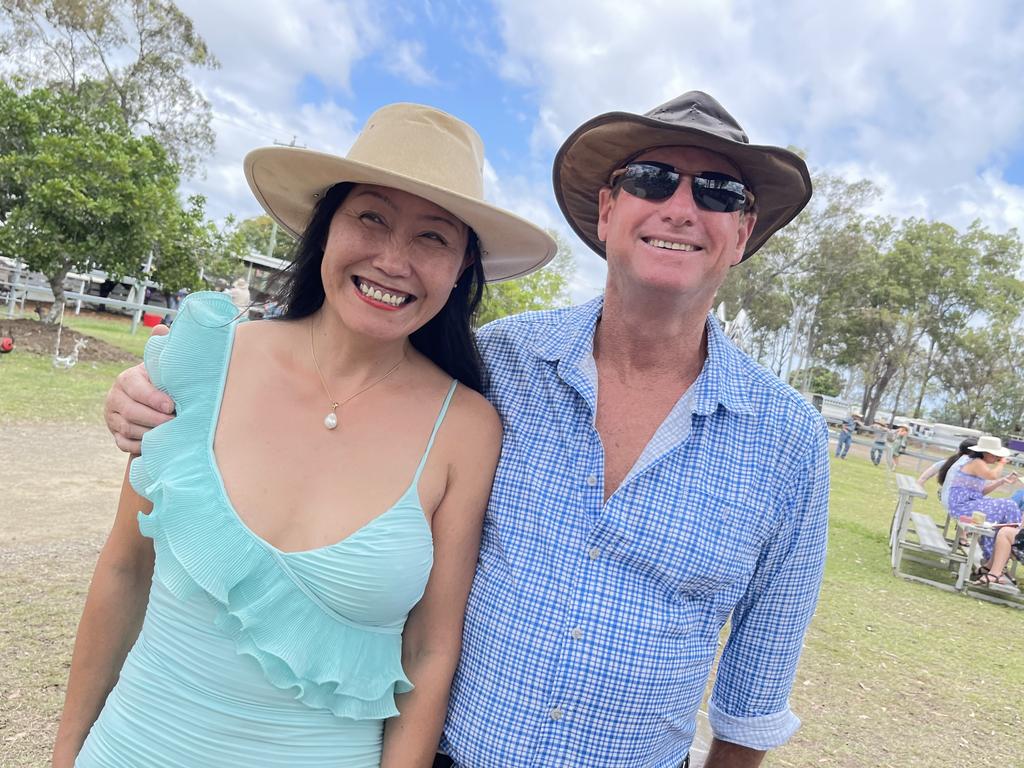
[
  {"x": 782, "y": 286},
  {"x": 139, "y": 51},
  {"x": 980, "y": 377},
  {"x": 257, "y": 234},
  {"x": 79, "y": 191},
  {"x": 189, "y": 245},
  {"x": 817, "y": 379},
  {"x": 917, "y": 287},
  {"x": 546, "y": 288}
]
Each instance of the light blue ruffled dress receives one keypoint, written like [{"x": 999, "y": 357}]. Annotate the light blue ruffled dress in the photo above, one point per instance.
[{"x": 250, "y": 656}]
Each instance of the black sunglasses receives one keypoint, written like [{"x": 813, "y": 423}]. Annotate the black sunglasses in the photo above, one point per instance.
[{"x": 712, "y": 191}]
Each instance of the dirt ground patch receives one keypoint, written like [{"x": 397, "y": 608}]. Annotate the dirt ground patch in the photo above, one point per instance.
[
  {"x": 57, "y": 501},
  {"x": 41, "y": 339}
]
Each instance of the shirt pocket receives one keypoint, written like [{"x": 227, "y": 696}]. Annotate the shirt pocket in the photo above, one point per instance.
[{"x": 704, "y": 545}]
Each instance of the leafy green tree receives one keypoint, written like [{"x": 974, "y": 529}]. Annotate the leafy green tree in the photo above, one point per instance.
[
  {"x": 916, "y": 288},
  {"x": 546, "y": 288},
  {"x": 189, "y": 245},
  {"x": 782, "y": 286},
  {"x": 78, "y": 191},
  {"x": 817, "y": 379},
  {"x": 257, "y": 234},
  {"x": 139, "y": 51},
  {"x": 979, "y": 373}
]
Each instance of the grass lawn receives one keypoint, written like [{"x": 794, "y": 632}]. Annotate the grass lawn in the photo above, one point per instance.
[
  {"x": 897, "y": 673},
  {"x": 113, "y": 329},
  {"x": 31, "y": 389},
  {"x": 894, "y": 673}
]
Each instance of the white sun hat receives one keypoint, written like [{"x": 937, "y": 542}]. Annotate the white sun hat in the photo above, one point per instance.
[{"x": 990, "y": 444}]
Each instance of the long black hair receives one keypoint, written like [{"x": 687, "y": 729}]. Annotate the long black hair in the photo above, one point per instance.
[
  {"x": 963, "y": 450},
  {"x": 446, "y": 339}
]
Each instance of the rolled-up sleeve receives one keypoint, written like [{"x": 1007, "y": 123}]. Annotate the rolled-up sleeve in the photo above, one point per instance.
[{"x": 750, "y": 702}]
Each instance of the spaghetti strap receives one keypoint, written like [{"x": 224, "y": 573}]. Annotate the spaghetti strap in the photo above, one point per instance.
[{"x": 433, "y": 434}]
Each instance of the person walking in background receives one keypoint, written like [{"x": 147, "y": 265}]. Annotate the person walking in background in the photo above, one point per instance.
[
  {"x": 899, "y": 445},
  {"x": 843, "y": 440},
  {"x": 240, "y": 296},
  {"x": 878, "y": 446}
]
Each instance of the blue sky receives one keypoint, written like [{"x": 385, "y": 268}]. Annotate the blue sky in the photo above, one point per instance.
[{"x": 921, "y": 96}]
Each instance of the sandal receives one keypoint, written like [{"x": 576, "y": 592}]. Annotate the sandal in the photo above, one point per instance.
[{"x": 989, "y": 579}]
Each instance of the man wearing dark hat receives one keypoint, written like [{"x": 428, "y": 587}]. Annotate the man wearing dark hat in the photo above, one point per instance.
[{"x": 654, "y": 482}]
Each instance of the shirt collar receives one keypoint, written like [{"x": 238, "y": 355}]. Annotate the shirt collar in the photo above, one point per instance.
[
  {"x": 724, "y": 380},
  {"x": 572, "y": 340}
]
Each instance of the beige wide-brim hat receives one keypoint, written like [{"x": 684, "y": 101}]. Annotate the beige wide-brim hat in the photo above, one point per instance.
[
  {"x": 419, "y": 150},
  {"x": 778, "y": 178},
  {"x": 990, "y": 444}
]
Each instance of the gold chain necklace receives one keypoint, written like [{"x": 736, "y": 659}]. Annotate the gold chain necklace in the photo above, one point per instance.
[{"x": 331, "y": 419}]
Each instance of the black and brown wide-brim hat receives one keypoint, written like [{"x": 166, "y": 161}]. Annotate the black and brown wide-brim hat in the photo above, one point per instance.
[
  {"x": 419, "y": 150},
  {"x": 778, "y": 178}
]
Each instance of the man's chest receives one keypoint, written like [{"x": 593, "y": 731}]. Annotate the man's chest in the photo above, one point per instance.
[
  {"x": 694, "y": 513},
  {"x": 627, "y": 420}
]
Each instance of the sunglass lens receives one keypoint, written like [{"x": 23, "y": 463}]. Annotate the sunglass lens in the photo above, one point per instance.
[
  {"x": 718, "y": 192},
  {"x": 650, "y": 182}
]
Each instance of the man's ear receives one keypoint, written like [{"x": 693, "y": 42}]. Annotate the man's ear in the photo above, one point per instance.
[
  {"x": 746, "y": 223},
  {"x": 605, "y": 203}
]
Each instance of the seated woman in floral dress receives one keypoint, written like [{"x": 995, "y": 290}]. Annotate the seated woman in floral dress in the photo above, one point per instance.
[{"x": 968, "y": 488}]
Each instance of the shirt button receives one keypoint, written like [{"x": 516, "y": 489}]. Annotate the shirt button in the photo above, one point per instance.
[
  {"x": 591, "y": 480},
  {"x": 577, "y": 633},
  {"x": 556, "y": 713},
  {"x": 595, "y": 553}
]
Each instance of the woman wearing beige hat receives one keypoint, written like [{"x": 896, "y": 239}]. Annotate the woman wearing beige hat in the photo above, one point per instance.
[
  {"x": 981, "y": 475},
  {"x": 316, "y": 504}
]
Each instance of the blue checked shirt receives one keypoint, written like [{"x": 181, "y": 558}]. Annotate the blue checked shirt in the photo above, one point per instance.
[{"x": 592, "y": 626}]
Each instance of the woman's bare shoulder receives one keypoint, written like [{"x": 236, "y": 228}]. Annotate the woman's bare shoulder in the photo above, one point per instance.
[
  {"x": 472, "y": 427},
  {"x": 262, "y": 340},
  {"x": 976, "y": 467},
  {"x": 269, "y": 329}
]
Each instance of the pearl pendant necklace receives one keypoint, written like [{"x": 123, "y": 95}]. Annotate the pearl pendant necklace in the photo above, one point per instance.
[{"x": 331, "y": 419}]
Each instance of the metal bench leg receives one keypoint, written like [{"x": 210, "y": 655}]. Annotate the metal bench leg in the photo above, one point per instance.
[{"x": 964, "y": 572}]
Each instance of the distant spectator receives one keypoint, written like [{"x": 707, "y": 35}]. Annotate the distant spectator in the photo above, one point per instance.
[
  {"x": 878, "y": 446},
  {"x": 843, "y": 440},
  {"x": 173, "y": 302},
  {"x": 239, "y": 293},
  {"x": 899, "y": 445},
  {"x": 272, "y": 309}
]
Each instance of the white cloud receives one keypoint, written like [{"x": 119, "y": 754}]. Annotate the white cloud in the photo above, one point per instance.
[
  {"x": 406, "y": 61},
  {"x": 921, "y": 96},
  {"x": 267, "y": 49}
]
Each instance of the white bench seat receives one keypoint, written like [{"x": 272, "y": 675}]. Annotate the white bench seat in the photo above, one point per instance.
[{"x": 929, "y": 536}]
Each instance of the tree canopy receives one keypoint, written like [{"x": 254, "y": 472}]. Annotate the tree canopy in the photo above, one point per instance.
[
  {"x": 546, "y": 288},
  {"x": 78, "y": 190},
  {"x": 135, "y": 54},
  {"x": 258, "y": 233},
  {"x": 896, "y": 305}
]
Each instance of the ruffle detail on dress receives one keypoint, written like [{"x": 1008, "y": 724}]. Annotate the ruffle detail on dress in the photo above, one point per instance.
[{"x": 330, "y": 662}]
